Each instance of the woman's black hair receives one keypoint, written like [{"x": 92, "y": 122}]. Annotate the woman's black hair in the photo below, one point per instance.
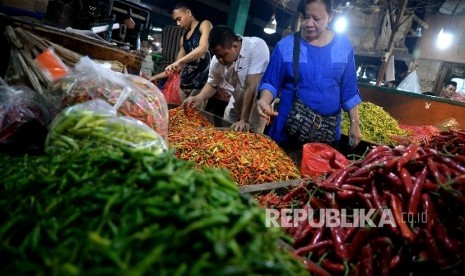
[
  {"x": 223, "y": 36},
  {"x": 303, "y": 3}
]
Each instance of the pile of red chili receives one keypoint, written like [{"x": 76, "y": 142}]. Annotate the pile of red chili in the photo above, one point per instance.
[
  {"x": 450, "y": 141},
  {"x": 251, "y": 158},
  {"x": 421, "y": 187}
]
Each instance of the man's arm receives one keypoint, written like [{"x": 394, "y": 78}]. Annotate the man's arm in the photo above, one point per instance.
[
  {"x": 251, "y": 85},
  {"x": 199, "y": 51}
]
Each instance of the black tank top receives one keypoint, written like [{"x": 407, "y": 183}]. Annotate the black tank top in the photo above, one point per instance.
[{"x": 195, "y": 73}]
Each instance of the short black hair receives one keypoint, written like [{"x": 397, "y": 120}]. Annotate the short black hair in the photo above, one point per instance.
[
  {"x": 453, "y": 83},
  {"x": 223, "y": 36},
  {"x": 182, "y": 5},
  {"x": 303, "y": 3}
]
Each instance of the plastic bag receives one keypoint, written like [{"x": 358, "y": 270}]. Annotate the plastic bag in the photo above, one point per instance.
[
  {"x": 95, "y": 124},
  {"x": 51, "y": 65},
  {"x": 90, "y": 80},
  {"x": 172, "y": 89},
  {"x": 319, "y": 159},
  {"x": 24, "y": 118},
  {"x": 448, "y": 124},
  {"x": 410, "y": 83}
]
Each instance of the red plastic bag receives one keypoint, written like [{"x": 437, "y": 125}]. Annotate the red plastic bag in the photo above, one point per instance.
[
  {"x": 172, "y": 89},
  {"x": 319, "y": 159}
]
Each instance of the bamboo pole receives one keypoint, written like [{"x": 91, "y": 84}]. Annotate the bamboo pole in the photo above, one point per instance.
[{"x": 388, "y": 54}]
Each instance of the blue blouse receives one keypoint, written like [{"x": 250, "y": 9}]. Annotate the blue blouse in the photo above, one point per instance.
[{"x": 327, "y": 80}]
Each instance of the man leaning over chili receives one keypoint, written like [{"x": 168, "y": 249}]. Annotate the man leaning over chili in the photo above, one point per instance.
[{"x": 237, "y": 66}]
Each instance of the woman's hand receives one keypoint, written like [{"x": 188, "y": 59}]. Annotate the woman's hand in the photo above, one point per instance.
[
  {"x": 265, "y": 110},
  {"x": 355, "y": 135}
]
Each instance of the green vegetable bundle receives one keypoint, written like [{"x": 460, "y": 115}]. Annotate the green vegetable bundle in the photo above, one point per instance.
[
  {"x": 95, "y": 123},
  {"x": 126, "y": 212},
  {"x": 376, "y": 125}
]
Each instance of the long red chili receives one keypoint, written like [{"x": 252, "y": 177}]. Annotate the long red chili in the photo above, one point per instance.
[
  {"x": 337, "y": 235},
  {"x": 416, "y": 192},
  {"x": 397, "y": 213},
  {"x": 367, "y": 261}
]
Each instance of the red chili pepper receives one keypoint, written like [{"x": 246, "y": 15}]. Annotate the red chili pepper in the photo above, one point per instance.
[
  {"x": 407, "y": 156},
  {"x": 359, "y": 240},
  {"x": 340, "y": 247},
  {"x": 333, "y": 267},
  {"x": 406, "y": 179},
  {"x": 454, "y": 165},
  {"x": 444, "y": 239},
  {"x": 392, "y": 179},
  {"x": 315, "y": 269},
  {"x": 377, "y": 152},
  {"x": 433, "y": 250},
  {"x": 428, "y": 207},
  {"x": 318, "y": 235},
  {"x": 440, "y": 179},
  {"x": 367, "y": 261},
  {"x": 416, "y": 193},
  {"x": 346, "y": 195},
  {"x": 348, "y": 187},
  {"x": 380, "y": 242},
  {"x": 385, "y": 262},
  {"x": 397, "y": 213},
  {"x": 312, "y": 247},
  {"x": 338, "y": 182},
  {"x": 395, "y": 261}
]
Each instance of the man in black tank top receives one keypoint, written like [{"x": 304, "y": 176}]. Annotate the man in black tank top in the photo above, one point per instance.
[{"x": 193, "y": 59}]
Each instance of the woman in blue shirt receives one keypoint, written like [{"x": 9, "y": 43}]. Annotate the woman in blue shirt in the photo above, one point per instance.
[{"x": 327, "y": 78}]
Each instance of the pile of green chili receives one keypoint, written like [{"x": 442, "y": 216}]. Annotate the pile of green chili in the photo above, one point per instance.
[
  {"x": 377, "y": 126},
  {"x": 124, "y": 212}
]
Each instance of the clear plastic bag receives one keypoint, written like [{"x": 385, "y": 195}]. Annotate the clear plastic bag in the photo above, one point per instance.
[
  {"x": 95, "y": 124},
  {"x": 410, "y": 83},
  {"x": 24, "y": 118},
  {"x": 90, "y": 80}
]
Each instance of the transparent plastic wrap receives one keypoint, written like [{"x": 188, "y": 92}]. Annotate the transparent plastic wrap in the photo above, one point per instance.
[
  {"x": 90, "y": 80},
  {"x": 24, "y": 118},
  {"x": 410, "y": 83},
  {"x": 95, "y": 124}
]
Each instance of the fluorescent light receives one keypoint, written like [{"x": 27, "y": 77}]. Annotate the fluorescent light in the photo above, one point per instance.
[
  {"x": 445, "y": 38},
  {"x": 157, "y": 29}
]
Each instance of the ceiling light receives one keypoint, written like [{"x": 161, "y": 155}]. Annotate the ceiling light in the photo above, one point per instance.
[
  {"x": 445, "y": 38},
  {"x": 270, "y": 28},
  {"x": 340, "y": 25}
]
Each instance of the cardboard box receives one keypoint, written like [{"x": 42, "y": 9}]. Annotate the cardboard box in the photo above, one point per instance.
[{"x": 35, "y": 8}]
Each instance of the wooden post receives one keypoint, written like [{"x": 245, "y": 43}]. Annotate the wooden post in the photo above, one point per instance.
[{"x": 382, "y": 69}]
